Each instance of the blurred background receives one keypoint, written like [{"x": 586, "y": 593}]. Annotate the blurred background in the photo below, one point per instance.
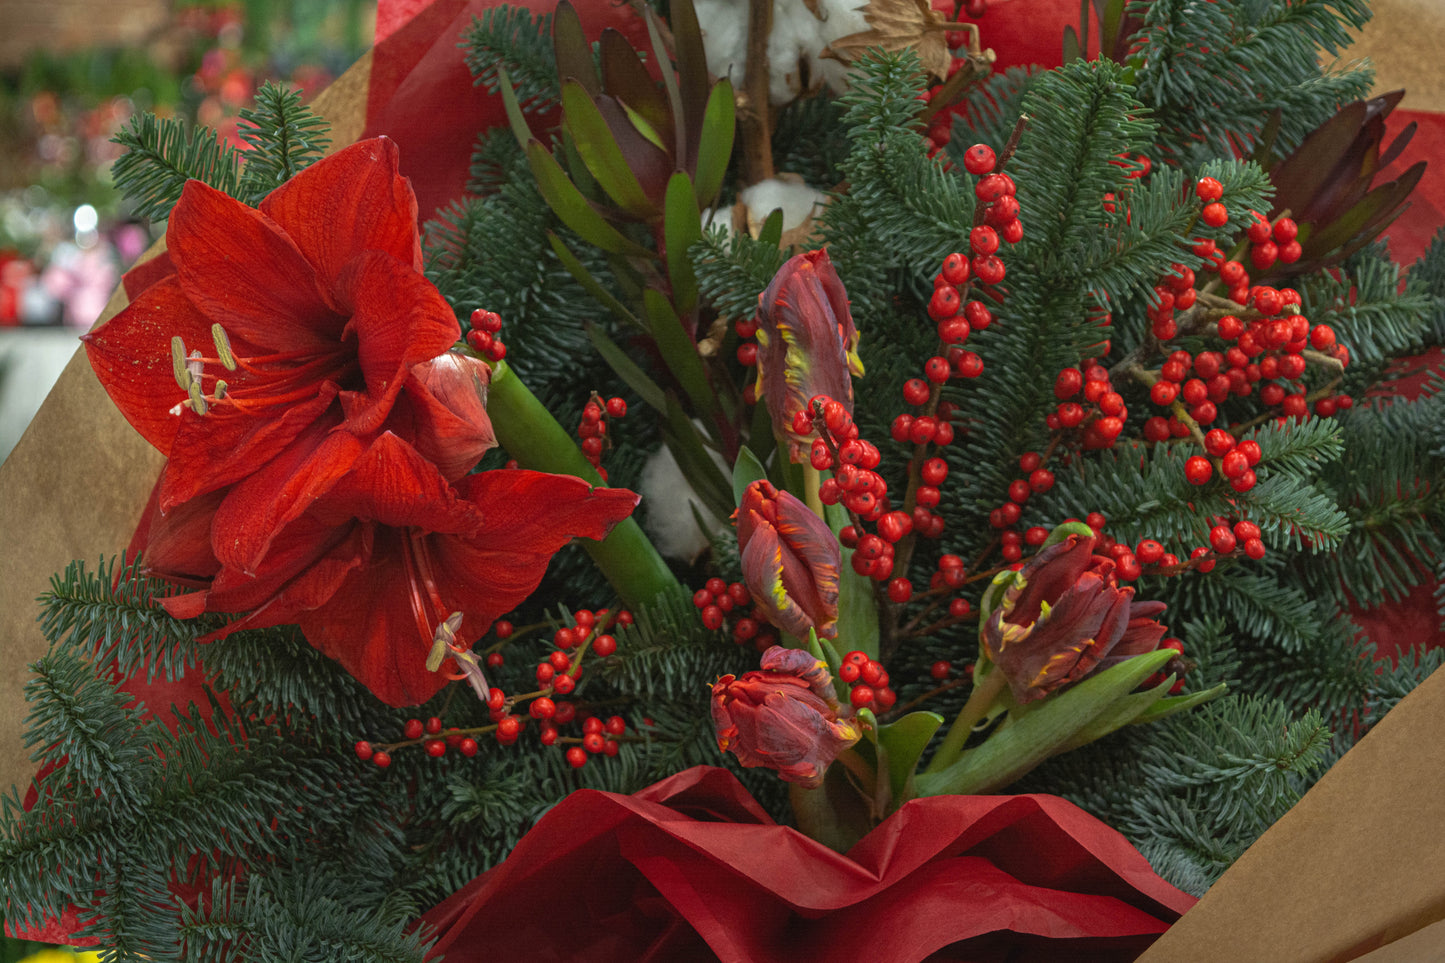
[{"x": 72, "y": 73}]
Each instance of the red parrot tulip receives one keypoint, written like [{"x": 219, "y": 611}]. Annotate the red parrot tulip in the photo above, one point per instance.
[
  {"x": 1065, "y": 618},
  {"x": 783, "y": 717},
  {"x": 807, "y": 344},
  {"x": 790, "y": 561}
]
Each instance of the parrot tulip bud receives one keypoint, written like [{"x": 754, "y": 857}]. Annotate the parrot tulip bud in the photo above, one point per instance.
[
  {"x": 784, "y": 717},
  {"x": 1064, "y": 617},
  {"x": 790, "y": 561},
  {"x": 807, "y": 344}
]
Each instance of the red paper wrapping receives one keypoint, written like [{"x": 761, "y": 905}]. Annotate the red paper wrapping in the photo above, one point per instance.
[{"x": 692, "y": 868}]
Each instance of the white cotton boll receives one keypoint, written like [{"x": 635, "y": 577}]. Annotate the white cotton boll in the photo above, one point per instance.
[
  {"x": 797, "y": 200},
  {"x": 798, "y": 38},
  {"x": 724, "y": 25},
  {"x": 668, "y": 501}
]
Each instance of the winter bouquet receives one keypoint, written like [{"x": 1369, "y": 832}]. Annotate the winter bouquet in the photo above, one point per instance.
[{"x": 799, "y": 433}]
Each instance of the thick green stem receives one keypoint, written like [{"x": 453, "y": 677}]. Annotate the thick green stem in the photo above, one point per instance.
[
  {"x": 529, "y": 433},
  {"x": 973, "y": 710}
]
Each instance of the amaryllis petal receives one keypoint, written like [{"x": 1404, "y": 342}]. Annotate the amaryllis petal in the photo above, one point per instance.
[
  {"x": 280, "y": 492},
  {"x": 131, "y": 355},
  {"x": 398, "y": 319},
  {"x": 305, "y": 569},
  {"x": 369, "y": 626},
  {"x": 244, "y": 273},
  {"x": 527, "y": 517},
  {"x": 178, "y": 543},
  {"x": 391, "y": 484},
  {"x": 227, "y": 445},
  {"x": 445, "y": 399},
  {"x": 368, "y": 207}
]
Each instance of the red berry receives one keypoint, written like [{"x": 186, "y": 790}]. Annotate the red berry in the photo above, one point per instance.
[
  {"x": 576, "y": 757},
  {"x": 1208, "y": 189},
  {"x": 979, "y": 159},
  {"x": 1215, "y": 214},
  {"x": 941, "y": 669},
  {"x": 1222, "y": 539},
  {"x": 1234, "y": 464},
  {"x": 989, "y": 268},
  {"x": 861, "y": 696},
  {"x": 412, "y": 729},
  {"x": 978, "y": 315},
  {"x": 436, "y": 748},
  {"x": 1198, "y": 470},
  {"x": 616, "y": 407},
  {"x": 955, "y": 269},
  {"x": 983, "y": 240},
  {"x": 468, "y": 746},
  {"x": 1041, "y": 480},
  {"x": 1148, "y": 551},
  {"x": 363, "y": 750},
  {"x": 382, "y": 759},
  {"x": 900, "y": 590},
  {"x": 1254, "y": 548},
  {"x": 1217, "y": 442},
  {"x": 945, "y": 303},
  {"x": 915, "y": 391},
  {"x": 1068, "y": 383},
  {"x": 433, "y": 726}
]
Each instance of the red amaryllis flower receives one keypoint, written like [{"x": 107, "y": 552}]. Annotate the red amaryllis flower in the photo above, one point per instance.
[
  {"x": 807, "y": 344},
  {"x": 385, "y": 555},
  {"x": 790, "y": 561},
  {"x": 279, "y": 325},
  {"x": 1064, "y": 617},
  {"x": 783, "y": 717}
]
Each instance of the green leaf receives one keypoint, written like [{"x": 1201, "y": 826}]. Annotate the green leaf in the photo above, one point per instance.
[
  {"x": 1016, "y": 748},
  {"x": 905, "y": 739},
  {"x": 627, "y": 369},
  {"x": 593, "y": 287},
  {"x": 669, "y": 84},
  {"x": 857, "y": 605},
  {"x": 574, "y": 209},
  {"x": 681, "y": 228},
  {"x": 746, "y": 470},
  {"x": 1071, "y": 45},
  {"x": 679, "y": 351},
  {"x": 1169, "y": 706},
  {"x": 772, "y": 232},
  {"x": 716, "y": 144},
  {"x": 599, "y": 151},
  {"x": 518, "y": 123},
  {"x": 574, "y": 53}
]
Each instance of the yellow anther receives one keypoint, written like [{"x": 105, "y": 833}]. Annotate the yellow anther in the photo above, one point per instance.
[
  {"x": 198, "y": 401},
  {"x": 178, "y": 363},
  {"x": 223, "y": 347}
]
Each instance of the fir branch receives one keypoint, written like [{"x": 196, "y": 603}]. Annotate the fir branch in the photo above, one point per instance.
[
  {"x": 285, "y": 137},
  {"x": 733, "y": 270},
  {"x": 114, "y": 615},
  {"x": 161, "y": 155},
  {"x": 990, "y": 111},
  {"x": 81, "y": 722},
  {"x": 1397, "y": 681},
  {"x": 506, "y": 37}
]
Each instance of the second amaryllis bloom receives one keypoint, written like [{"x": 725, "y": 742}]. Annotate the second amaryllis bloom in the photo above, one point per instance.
[
  {"x": 783, "y": 717},
  {"x": 790, "y": 561},
  {"x": 1064, "y": 617},
  {"x": 807, "y": 343}
]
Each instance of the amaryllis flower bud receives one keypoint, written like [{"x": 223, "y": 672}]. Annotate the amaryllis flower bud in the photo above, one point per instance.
[
  {"x": 783, "y": 717},
  {"x": 807, "y": 344},
  {"x": 790, "y": 561},
  {"x": 452, "y": 412},
  {"x": 1064, "y": 617}
]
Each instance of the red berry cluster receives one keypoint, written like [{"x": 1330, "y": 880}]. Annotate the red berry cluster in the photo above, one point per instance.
[
  {"x": 1236, "y": 460},
  {"x": 747, "y": 331},
  {"x": 1102, "y": 413},
  {"x": 868, "y": 681},
  {"x": 1269, "y": 243},
  {"x": 483, "y": 336},
  {"x": 1175, "y": 291},
  {"x": 718, "y": 602},
  {"x": 593, "y": 429},
  {"x": 1034, "y": 479},
  {"x": 556, "y": 674}
]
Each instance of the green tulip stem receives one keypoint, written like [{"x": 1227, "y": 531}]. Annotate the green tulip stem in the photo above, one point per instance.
[
  {"x": 973, "y": 710},
  {"x": 529, "y": 433},
  {"x": 811, "y": 483}
]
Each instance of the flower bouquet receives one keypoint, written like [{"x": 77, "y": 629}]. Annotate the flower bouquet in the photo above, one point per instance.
[{"x": 926, "y": 430}]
